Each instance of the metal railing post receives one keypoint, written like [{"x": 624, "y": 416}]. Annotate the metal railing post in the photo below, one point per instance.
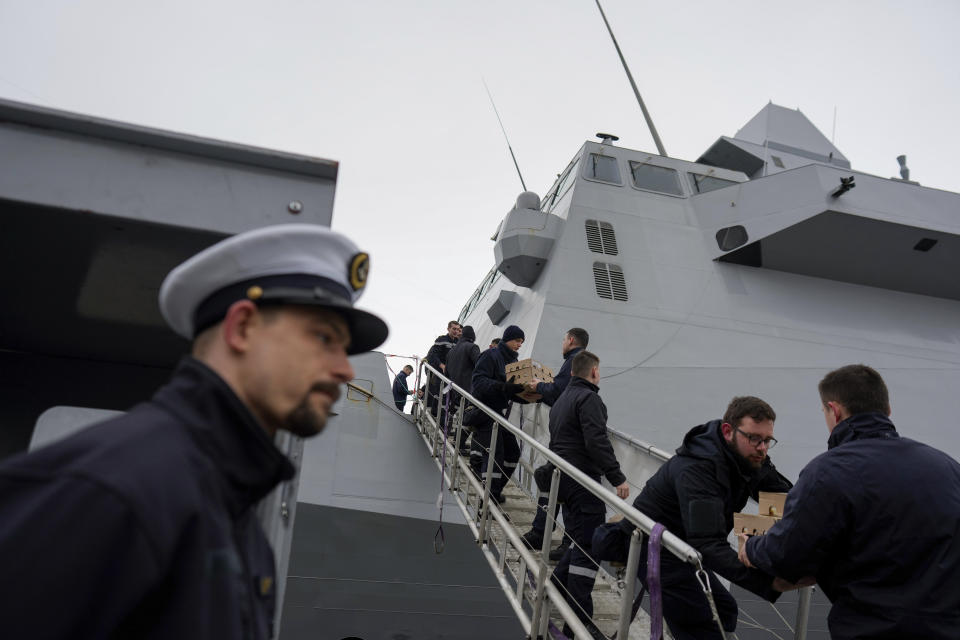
[
  {"x": 545, "y": 549},
  {"x": 436, "y": 433},
  {"x": 422, "y": 402},
  {"x": 487, "y": 482},
  {"x": 456, "y": 444},
  {"x": 551, "y": 515},
  {"x": 803, "y": 612},
  {"x": 630, "y": 581}
]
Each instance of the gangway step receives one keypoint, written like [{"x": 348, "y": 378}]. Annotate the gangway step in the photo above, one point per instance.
[{"x": 520, "y": 509}]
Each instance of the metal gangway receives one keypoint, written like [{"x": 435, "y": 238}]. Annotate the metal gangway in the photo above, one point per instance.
[{"x": 524, "y": 573}]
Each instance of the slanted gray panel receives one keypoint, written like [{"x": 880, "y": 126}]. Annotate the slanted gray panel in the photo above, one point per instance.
[
  {"x": 501, "y": 306},
  {"x": 864, "y": 251},
  {"x": 375, "y": 576}
]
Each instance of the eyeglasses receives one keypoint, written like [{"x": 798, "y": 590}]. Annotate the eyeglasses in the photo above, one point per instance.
[{"x": 755, "y": 440}]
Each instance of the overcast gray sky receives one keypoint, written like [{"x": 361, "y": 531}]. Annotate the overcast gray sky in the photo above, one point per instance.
[{"x": 393, "y": 91}]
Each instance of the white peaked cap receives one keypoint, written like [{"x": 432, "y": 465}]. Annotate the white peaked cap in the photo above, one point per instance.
[{"x": 300, "y": 264}]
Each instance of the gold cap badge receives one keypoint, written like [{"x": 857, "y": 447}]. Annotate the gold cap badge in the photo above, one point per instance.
[{"x": 359, "y": 269}]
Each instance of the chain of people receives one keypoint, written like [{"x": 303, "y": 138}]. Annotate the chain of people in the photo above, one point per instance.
[
  {"x": 144, "y": 525},
  {"x": 873, "y": 521}
]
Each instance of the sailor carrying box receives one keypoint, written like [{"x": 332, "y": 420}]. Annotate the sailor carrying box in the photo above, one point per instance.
[{"x": 526, "y": 371}]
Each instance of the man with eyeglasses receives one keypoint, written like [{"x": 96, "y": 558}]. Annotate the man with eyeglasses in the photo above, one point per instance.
[
  {"x": 874, "y": 519},
  {"x": 694, "y": 495}
]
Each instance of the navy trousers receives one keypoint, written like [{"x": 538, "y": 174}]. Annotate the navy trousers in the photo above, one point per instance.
[
  {"x": 540, "y": 520},
  {"x": 576, "y": 572},
  {"x": 506, "y": 456}
]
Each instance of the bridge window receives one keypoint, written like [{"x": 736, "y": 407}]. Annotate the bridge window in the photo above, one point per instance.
[
  {"x": 604, "y": 169},
  {"x": 650, "y": 177},
  {"x": 601, "y": 238},
  {"x": 703, "y": 184},
  {"x": 560, "y": 187},
  {"x": 609, "y": 281}
]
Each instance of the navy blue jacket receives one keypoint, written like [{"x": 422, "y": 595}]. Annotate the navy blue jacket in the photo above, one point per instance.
[
  {"x": 695, "y": 494},
  {"x": 438, "y": 353},
  {"x": 578, "y": 432},
  {"x": 400, "y": 388},
  {"x": 490, "y": 375},
  {"x": 876, "y": 519},
  {"x": 552, "y": 390},
  {"x": 462, "y": 359},
  {"x": 143, "y": 526}
]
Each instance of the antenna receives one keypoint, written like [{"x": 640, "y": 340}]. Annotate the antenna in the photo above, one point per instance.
[
  {"x": 643, "y": 107},
  {"x": 833, "y": 136},
  {"x": 493, "y": 104}
]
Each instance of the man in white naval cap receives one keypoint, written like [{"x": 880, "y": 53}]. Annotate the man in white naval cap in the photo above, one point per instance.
[{"x": 143, "y": 526}]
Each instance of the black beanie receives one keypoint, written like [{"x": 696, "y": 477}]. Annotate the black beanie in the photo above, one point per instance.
[{"x": 512, "y": 333}]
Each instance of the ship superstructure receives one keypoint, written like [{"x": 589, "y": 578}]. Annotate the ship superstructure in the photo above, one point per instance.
[{"x": 754, "y": 270}]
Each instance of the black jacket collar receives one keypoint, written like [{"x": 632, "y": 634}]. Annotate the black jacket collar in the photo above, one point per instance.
[
  {"x": 577, "y": 381},
  {"x": 862, "y": 426},
  {"x": 509, "y": 355},
  {"x": 224, "y": 428},
  {"x": 572, "y": 352}
]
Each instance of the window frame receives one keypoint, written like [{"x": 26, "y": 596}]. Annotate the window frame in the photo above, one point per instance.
[
  {"x": 676, "y": 172},
  {"x": 692, "y": 177},
  {"x": 598, "y": 180}
]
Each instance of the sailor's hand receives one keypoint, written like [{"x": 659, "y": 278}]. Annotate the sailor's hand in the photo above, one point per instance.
[
  {"x": 443, "y": 367},
  {"x": 742, "y": 553},
  {"x": 623, "y": 491},
  {"x": 782, "y": 585},
  {"x": 532, "y": 385}
]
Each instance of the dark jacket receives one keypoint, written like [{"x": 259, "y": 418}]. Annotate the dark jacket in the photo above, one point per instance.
[
  {"x": 490, "y": 378},
  {"x": 463, "y": 359},
  {"x": 438, "y": 353},
  {"x": 144, "y": 526},
  {"x": 552, "y": 390},
  {"x": 400, "y": 388},
  {"x": 695, "y": 494},
  {"x": 876, "y": 520},
  {"x": 578, "y": 432}
]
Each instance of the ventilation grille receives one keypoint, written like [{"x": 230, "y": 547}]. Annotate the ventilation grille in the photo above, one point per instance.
[
  {"x": 608, "y": 278},
  {"x": 601, "y": 238}
]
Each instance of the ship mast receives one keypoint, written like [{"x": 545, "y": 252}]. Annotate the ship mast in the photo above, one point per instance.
[{"x": 636, "y": 92}]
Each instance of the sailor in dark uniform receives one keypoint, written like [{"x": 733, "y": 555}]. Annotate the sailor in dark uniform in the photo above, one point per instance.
[
  {"x": 437, "y": 358},
  {"x": 143, "y": 526},
  {"x": 400, "y": 388},
  {"x": 578, "y": 434}
]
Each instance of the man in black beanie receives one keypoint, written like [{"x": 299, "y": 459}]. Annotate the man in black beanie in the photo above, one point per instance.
[{"x": 489, "y": 385}]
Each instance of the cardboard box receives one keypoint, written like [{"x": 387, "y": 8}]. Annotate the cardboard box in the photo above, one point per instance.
[
  {"x": 772, "y": 504},
  {"x": 751, "y": 524},
  {"x": 525, "y": 371}
]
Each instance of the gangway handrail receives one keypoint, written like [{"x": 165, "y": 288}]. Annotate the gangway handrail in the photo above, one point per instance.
[
  {"x": 674, "y": 544},
  {"x": 651, "y": 449}
]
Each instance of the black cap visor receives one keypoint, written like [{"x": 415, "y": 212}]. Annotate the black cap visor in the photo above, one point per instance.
[{"x": 367, "y": 331}]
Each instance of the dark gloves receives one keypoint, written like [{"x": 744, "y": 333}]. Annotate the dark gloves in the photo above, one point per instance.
[
  {"x": 543, "y": 475},
  {"x": 511, "y": 389}
]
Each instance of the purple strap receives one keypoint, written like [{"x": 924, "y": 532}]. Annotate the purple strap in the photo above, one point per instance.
[
  {"x": 555, "y": 633},
  {"x": 653, "y": 582}
]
